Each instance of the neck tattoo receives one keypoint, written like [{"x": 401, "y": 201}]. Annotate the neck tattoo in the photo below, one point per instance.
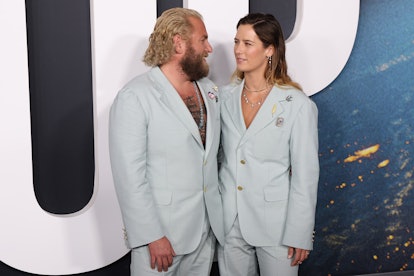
[{"x": 200, "y": 104}]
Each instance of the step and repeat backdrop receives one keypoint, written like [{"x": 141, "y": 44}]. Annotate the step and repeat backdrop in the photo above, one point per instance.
[{"x": 62, "y": 63}]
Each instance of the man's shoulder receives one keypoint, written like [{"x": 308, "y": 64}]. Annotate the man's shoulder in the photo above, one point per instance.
[
  {"x": 227, "y": 88},
  {"x": 207, "y": 83},
  {"x": 138, "y": 81}
]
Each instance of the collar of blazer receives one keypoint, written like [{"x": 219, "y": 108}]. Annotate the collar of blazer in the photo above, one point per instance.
[
  {"x": 270, "y": 111},
  {"x": 172, "y": 100}
]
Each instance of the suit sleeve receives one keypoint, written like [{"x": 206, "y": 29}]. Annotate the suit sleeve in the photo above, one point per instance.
[
  {"x": 300, "y": 219},
  {"x": 128, "y": 154}
]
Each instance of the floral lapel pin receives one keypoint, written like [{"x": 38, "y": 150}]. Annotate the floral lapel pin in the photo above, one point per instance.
[
  {"x": 279, "y": 121},
  {"x": 288, "y": 98},
  {"x": 213, "y": 95}
]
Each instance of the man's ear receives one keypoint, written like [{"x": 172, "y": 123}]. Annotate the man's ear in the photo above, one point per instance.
[{"x": 179, "y": 44}]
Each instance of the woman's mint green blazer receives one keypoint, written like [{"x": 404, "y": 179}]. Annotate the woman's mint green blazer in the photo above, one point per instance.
[{"x": 269, "y": 172}]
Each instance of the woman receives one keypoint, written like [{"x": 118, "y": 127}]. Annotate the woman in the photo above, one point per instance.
[{"x": 269, "y": 160}]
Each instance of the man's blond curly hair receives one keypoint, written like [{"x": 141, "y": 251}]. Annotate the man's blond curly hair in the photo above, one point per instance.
[{"x": 171, "y": 22}]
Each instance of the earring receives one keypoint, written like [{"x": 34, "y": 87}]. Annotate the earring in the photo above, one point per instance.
[{"x": 269, "y": 60}]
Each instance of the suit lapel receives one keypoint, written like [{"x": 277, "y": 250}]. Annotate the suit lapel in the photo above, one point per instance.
[
  {"x": 211, "y": 105},
  {"x": 172, "y": 100},
  {"x": 270, "y": 112},
  {"x": 233, "y": 107}
]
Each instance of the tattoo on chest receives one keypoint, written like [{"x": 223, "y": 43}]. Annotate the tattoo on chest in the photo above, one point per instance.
[{"x": 192, "y": 104}]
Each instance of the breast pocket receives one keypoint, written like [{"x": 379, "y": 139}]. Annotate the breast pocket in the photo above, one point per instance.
[{"x": 271, "y": 143}]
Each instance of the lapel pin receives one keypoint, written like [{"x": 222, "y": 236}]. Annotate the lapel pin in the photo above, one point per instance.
[
  {"x": 279, "y": 121},
  {"x": 289, "y": 98},
  {"x": 212, "y": 96},
  {"x": 274, "y": 109}
]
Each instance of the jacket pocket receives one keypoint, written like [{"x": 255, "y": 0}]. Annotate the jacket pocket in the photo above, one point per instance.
[
  {"x": 272, "y": 194},
  {"x": 162, "y": 197}
]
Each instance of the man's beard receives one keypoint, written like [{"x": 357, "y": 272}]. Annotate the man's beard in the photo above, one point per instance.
[{"x": 193, "y": 65}]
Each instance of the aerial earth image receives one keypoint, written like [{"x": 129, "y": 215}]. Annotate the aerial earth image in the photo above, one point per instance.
[{"x": 364, "y": 221}]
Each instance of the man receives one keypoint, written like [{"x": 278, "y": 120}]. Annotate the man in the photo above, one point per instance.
[{"x": 164, "y": 135}]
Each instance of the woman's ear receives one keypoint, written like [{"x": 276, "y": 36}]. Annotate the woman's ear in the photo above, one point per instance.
[{"x": 270, "y": 51}]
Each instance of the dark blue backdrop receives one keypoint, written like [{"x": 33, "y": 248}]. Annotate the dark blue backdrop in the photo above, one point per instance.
[{"x": 365, "y": 207}]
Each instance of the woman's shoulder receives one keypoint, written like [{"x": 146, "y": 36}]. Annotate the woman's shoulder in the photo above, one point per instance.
[
  {"x": 297, "y": 99},
  {"x": 294, "y": 93},
  {"x": 227, "y": 89},
  {"x": 292, "y": 90}
]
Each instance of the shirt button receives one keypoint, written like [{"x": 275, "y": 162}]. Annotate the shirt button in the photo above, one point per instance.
[
  {"x": 240, "y": 188},
  {"x": 243, "y": 161}
]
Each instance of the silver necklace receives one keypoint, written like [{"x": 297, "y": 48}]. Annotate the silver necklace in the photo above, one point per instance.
[
  {"x": 252, "y": 105},
  {"x": 254, "y": 91},
  {"x": 197, "y": 92}
]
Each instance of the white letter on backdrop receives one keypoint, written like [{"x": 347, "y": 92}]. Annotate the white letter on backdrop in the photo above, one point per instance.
[
  {"x": 31, "y": 239},
  {"x": 321, "y": 42}
]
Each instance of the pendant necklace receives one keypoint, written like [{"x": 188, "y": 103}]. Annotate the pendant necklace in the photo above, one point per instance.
[
  {"x": 258, "y": 103},
  {"x": 197, "y": 92}
]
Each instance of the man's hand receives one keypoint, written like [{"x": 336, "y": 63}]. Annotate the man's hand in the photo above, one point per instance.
[
  {"x": 161, "y": 253},
  {"x": 297, "y": 255}
]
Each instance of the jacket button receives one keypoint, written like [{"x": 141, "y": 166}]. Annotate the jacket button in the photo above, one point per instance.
[
  {"x": 240, "y": 188},
  {"x": 243, "y": 161}
]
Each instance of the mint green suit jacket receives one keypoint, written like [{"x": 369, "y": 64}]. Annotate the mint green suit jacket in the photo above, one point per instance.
[
  {"x": 166, "y": 181},
  {"x": 273, "y": 206}
]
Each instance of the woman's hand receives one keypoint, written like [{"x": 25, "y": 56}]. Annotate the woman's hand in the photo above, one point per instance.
[{"x": 297, "y": 255}]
